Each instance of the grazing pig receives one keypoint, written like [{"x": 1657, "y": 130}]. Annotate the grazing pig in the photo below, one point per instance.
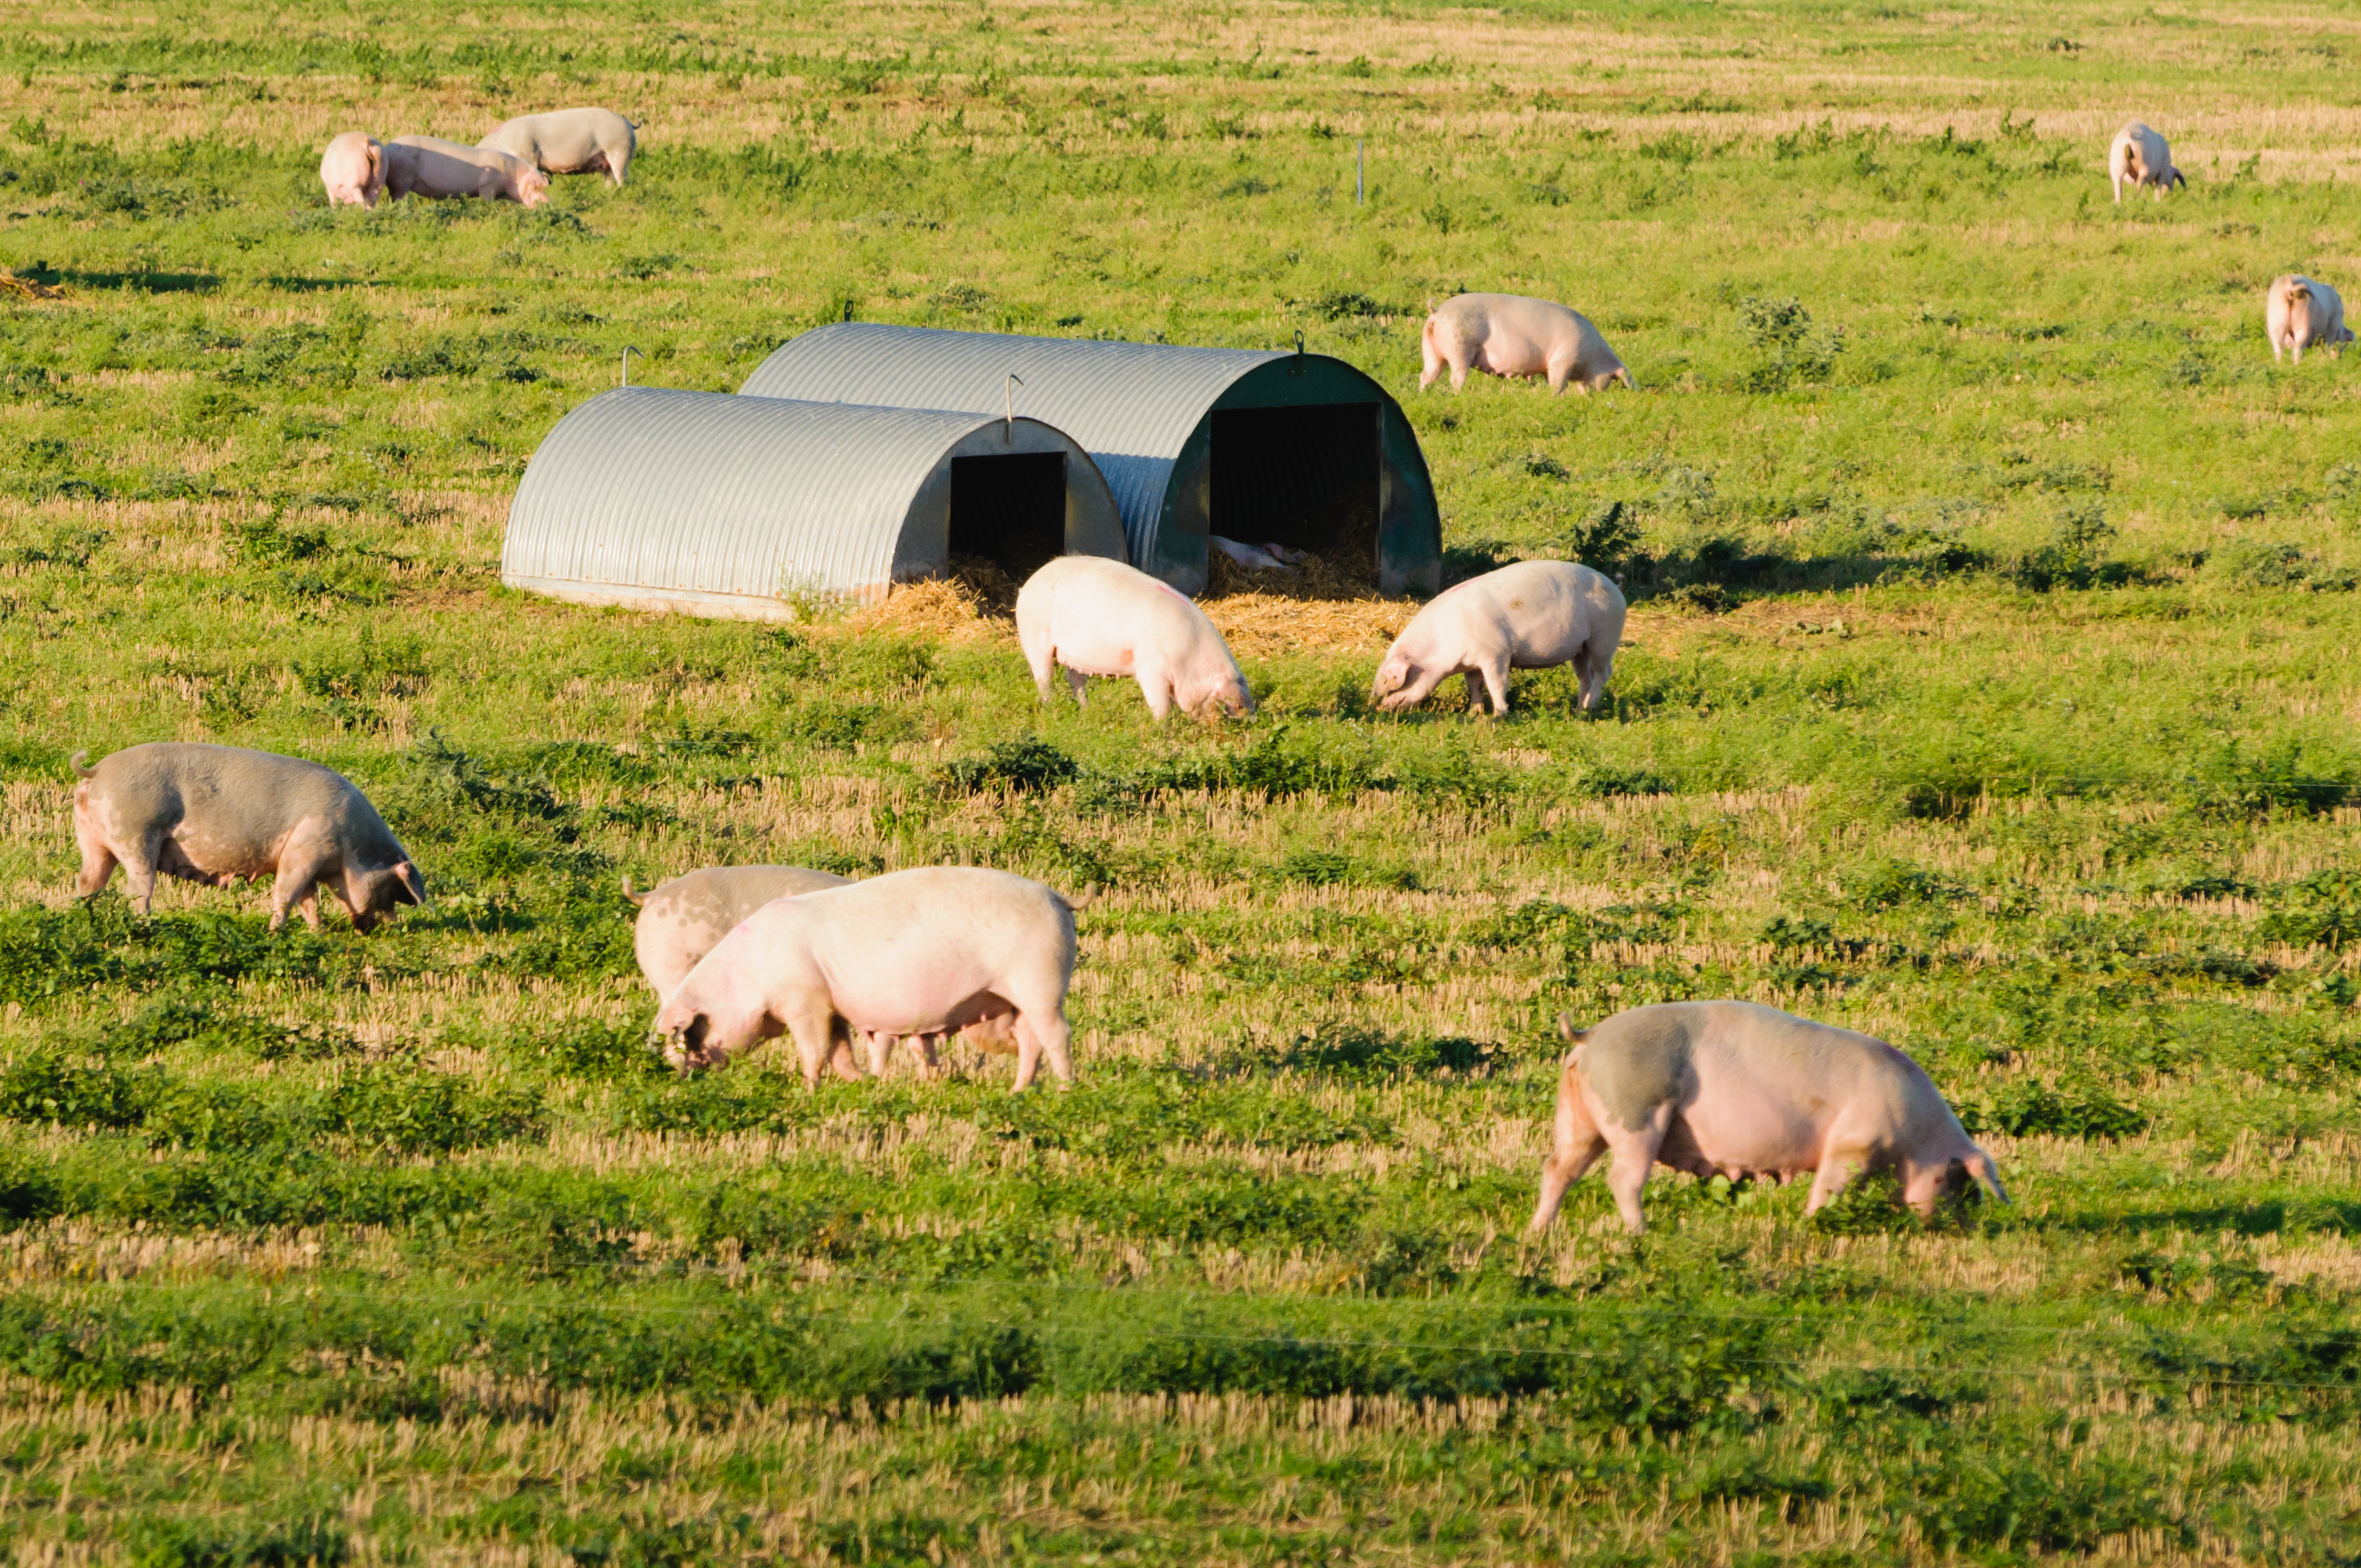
[
  {"x": 915, "y": 952},
  {"x": 2139, "y": 157},
  {"x": 1530, "y": 615},
  {"x": 681, "y": 920},
  {"x": 429, "y": 165},
  {"x": 1509, "y": 335},
  {"x": 216, "y": 814},
  {"x": 2299, "y": 312},
  {"x": 1735, "y": 1089},
  {"x": 1098, "y": 617},
  {"x": 570, "y": 141},
  {"x": 353, "y": 169}
]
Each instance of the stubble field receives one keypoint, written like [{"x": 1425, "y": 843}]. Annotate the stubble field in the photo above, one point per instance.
[{"x": 1990, "y": 687}]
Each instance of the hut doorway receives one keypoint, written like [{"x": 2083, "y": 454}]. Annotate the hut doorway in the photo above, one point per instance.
[
  {"x": 1304, "y": 476},
  {"x": 1009, "y": 508}
]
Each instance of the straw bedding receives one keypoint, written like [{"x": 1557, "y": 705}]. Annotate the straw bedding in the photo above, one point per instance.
[{"x": 1261, "y": 614}]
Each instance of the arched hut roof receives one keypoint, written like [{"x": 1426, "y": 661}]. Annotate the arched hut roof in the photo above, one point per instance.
[
  {"x": 735, "y": 506},
  {"x": 1192, "y": 441}
]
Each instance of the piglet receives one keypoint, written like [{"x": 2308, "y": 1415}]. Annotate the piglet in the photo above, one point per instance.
[
  {"x": 1733, "y": 1089},
  {"x": 353, "y": 169},
  {"x": 570, "y": 141},
  {"x": 1098, "y": 617},
  {"x": 1509, "y": 335},
  {"x": 429, "y": 165},
  {"x": 916, "y": 952},
  {"x": 679, "y": 921},
  {"x": 1530, "y": 615},
  {"x": 219, "y": 814}
]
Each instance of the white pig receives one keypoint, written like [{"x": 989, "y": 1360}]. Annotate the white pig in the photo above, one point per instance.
[
  {"x": 2140, "y": 156},
  {"x": 570, "y": 141},
  {"x": 219, "y": 814},
  {"x": 1734, "y": 1089},
  {"x": 1530, "y": 615},
  {"x": 1098, "y": 617},
  {"x": 679, "y": 921},
  {"x": 1509, "y": 335},
  {"x": 429, "y": 165},
  {"x": 915, "y": 952},
  {"x": 2299, "y": 313},
  {"x": 353, "y": 169}
]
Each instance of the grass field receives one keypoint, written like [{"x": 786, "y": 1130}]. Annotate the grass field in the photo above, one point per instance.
[{"x": 1990, "y": 685}]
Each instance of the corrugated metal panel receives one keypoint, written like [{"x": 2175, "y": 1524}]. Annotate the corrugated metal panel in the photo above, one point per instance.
[
  {"x": 1130, "y": 405},
  {"x": 700, "y": 498}
]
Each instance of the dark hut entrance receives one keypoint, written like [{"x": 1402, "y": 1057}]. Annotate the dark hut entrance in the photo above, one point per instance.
[
  {"x": 1303, "y": 477},
  {"x": 1009, "y": 508}
]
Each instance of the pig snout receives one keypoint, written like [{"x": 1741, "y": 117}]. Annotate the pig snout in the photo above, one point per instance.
[{"x": 685, "y": 1045}]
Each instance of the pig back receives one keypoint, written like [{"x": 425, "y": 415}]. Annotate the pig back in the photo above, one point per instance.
[
  {"x": 721, "y": 896},
  {"x": 234, "y": 797}
]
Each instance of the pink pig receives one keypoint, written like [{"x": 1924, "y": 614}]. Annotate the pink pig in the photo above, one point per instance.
[
  {"x": 1509, "y": 335},
  {"x": 353, "y": 169},
  {"x": 1530, "y": 615},
  {"x": 1734, "y": 1089},
  {"x": 429, "y": 165},
  {"x": 1098, "y": 617},
  {"x": 916, "y": 952}
]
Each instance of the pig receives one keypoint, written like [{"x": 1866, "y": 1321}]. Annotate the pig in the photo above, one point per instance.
[
  {"x": 1526, "y": 617},
  {"x": 353, "y": 169},
  {"x": 1098, "y": 617},
  {"x": 2299, "y": 312},
  {"x": 1257, "y": 557},
  {"x": 916, "y": 952},
  {"x": 2139, "y": 157},
  {"x": 429, "y": 165},
  {"x": 1735, "y": 1088},
  {"x": 216, "y": 814},
  {"x": 570, "y": 141},
  {"x": 1509, "y": 335},
  {"x": 681, "y": 920}
]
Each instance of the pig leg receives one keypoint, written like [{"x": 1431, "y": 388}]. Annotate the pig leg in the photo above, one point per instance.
[
  {"x": 1078, "y": 684},
  {"x": 140, "y": 874},
  {"x": 1591, "y": 674},
  {"x": 839, "y": 1054},
  {"x": 811, "y": 1020},
  {"x": 1839, "y": 1163},
  {"x": 1041, "y": 1029},
  {"x": 97, "y": 860},
  {"x": 881, "y": 1051},
  {"x": 1635, "y": 1150},
  {"x": 304, "y": 866},
  {"x": 1157, "y": 690},
  {"x": 1575, "y": 1149},
  {"x": 1496, "y": 680},
  {"x": 619, "y": 161}
]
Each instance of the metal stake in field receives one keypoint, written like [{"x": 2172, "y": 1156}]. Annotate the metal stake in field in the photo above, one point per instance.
[
  {"x": 1008, "y": 407},
  {"x": 628, "y": 352}
]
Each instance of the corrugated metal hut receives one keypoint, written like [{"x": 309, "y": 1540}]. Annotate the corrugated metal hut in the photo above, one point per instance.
[
  {"x": 735, "y": 506},
  {"x": 1260, "y": 447}
]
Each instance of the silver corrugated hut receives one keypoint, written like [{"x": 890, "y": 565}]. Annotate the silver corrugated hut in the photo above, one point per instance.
[
  {"x": 1260, "y": 447},
  {"x": 735, "y": 506}
]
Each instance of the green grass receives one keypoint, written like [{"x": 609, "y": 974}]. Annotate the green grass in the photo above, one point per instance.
[{"x": 1990, "y": 687}]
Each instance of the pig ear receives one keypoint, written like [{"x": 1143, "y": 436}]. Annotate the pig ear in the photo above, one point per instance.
[
  {"x": 412, "y": 883},
  {"x": 1980, "y": 1166},
  {"x": 1566, "y": 1031}
]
